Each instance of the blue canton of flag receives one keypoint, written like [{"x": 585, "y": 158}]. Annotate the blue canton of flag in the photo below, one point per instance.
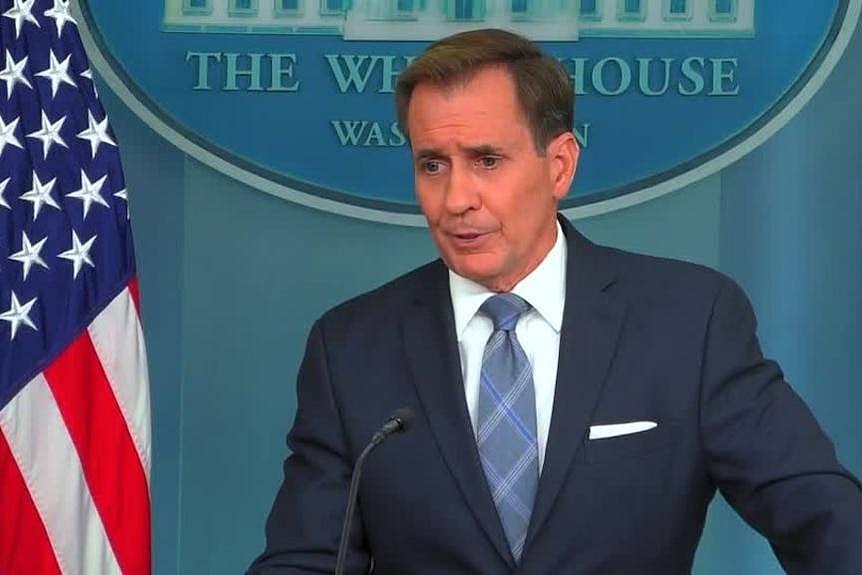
[{"x": 65, "y": 241}]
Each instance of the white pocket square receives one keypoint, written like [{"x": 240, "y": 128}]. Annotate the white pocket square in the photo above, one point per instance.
[{"x": 617, "y": 429}]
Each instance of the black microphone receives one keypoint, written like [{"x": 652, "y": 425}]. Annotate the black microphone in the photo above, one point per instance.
[{"x": 398, "y": 422}]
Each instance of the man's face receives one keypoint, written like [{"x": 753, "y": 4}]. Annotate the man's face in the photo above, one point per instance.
[{"x": 490, "y": 199}]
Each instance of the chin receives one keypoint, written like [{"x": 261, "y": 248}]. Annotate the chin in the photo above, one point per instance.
[{"x": 478, "y": 271}]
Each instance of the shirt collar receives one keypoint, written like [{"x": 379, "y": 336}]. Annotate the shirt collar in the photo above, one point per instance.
[{"x": 544, "y": 288}]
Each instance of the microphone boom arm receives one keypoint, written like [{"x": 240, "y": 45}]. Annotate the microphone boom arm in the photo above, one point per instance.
[{"x": 398, "y": 422}]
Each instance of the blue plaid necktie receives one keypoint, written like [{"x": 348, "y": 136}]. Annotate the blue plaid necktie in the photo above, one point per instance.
[{"x": 506, "y": 433}]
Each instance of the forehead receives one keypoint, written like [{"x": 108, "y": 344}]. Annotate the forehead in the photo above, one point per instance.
[{"x": 484, "y": 103}]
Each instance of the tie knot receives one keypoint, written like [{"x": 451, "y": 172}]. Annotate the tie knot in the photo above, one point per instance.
[{"x": 504, "y": 309}]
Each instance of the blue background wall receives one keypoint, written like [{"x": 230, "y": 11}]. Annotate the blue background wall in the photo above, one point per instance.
[{"x": 232, "y": 279}]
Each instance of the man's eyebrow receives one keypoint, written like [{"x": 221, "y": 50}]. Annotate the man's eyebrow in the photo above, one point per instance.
[
  {"x": 479, "y": 150},
  {"x": 427, "y": 153},
  {"x": 485, "y": 150}
]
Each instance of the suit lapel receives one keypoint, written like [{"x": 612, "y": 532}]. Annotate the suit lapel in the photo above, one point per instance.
[
  {"x": 432, "y": 354},
  {"x": 592, "y": 321}
]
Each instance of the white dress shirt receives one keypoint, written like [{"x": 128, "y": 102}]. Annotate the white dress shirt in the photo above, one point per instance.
[{"x": 538, "y": 332}]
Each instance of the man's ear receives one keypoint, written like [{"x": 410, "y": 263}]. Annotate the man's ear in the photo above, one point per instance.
[{"x": 563, "y": 153}]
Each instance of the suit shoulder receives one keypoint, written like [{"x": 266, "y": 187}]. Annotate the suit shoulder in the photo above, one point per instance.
[
  {"x": 386, "y": 302},
  {"x": 653, "y": 277}
]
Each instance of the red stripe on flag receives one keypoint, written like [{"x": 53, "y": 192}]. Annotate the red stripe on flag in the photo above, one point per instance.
[
  {"x": 111, "y": 465},
  {"x": 135, "y": 292},
  {"x": 24, "y": 546}
]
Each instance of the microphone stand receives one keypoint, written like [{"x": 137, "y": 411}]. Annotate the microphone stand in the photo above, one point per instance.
[{"x": 398, "y": 423}]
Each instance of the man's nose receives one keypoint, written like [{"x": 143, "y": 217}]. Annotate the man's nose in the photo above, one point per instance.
[{"x": 461, "y": 191}]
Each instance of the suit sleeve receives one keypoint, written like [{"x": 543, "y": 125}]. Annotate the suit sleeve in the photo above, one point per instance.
[
  {"x": 768, "y": 455},
  {"x": 304, "y": 526}
]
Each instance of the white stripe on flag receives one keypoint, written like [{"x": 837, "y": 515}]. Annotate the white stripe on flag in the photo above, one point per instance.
[
  {"x": 119, "y": 342},
  {"x": 49, "y": 463}
]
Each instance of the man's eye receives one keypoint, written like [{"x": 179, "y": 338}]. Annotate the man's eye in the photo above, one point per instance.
[
  {"x": 489, "y": 161},
  {"x": 431, "y": 166}
]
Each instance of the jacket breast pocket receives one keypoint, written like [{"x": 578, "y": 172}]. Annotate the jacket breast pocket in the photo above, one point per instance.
[{"x": 634, "y": 446}]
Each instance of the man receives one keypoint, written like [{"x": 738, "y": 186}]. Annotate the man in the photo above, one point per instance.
[{"x": 576, "y": 406}]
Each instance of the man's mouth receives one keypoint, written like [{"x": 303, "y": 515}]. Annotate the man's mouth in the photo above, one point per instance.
[{"x": 468, "y": 239}]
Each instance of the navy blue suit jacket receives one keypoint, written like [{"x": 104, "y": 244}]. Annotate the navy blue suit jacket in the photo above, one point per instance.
[{"x": 642, "y": 339}]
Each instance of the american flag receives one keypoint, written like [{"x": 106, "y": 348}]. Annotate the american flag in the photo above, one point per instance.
[{"x": 74, "y": 400}]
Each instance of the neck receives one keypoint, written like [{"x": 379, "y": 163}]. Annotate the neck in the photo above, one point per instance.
[{"x": 505, "y": 284}]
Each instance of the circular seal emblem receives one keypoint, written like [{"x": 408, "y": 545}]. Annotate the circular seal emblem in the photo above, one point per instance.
[{"x": 295, "y": 97}]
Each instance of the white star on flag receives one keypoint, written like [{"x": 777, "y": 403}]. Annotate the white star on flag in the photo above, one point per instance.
[
  {"x": 21, "y": 12},
  {"x": 90, "y": 192},
  {"x": 49, "y": 134},
  {"x": 3, "y": 185},
  {"x": 57, "y": 72},
  {"x": 29, "y": 254},
  {"x": 60, "y": 14},
  {"x": 13, "y": 74},
  {"x": 78, "y": 254},
  {"x": 123, "y": 195},
  {"x": 96, "y": 133},
  {"x": 39, "y": 195},
  {"x": 18, "y": 314},
  {"x": 88, "y": 74},
  {"x": 7, "y": 134}
]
